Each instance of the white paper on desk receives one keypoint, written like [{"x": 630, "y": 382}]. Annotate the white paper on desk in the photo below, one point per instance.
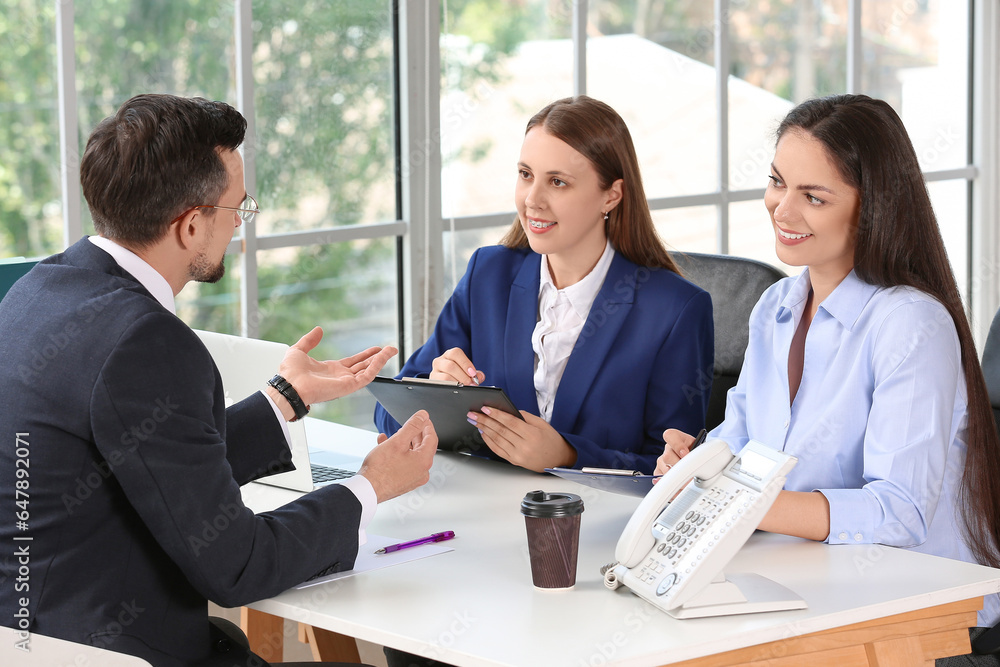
[{"x": 368, "y": 560}]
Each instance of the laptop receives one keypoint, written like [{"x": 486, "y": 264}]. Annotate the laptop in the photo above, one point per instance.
[{"x": 246, "y": 364}]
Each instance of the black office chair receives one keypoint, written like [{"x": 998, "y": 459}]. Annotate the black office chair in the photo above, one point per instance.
[
  {"x": 989, "y": 641},
  {"x": 735, "y": 284},
  {"x": 991, "y": 366}
]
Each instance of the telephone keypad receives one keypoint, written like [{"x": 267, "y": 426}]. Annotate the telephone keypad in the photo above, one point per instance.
[
  {"x": 705, "y": 516},
  {"x": 716, "y": 510}
]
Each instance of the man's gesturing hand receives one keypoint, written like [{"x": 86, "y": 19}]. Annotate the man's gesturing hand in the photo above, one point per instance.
[
  {"x": 317, "y": 381},
  {"x": 403, "y": 462}
]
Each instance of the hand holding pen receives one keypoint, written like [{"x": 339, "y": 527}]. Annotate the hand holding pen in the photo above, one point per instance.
[
  {"x": 436, "y": 537},
  {"x": 455, "y": 366},
  {"x": 699, "y": 439},
  {"x": 676, "y": 447}
]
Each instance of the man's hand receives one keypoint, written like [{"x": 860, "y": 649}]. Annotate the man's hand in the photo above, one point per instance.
[
  {"x": 318, "y": 381},
  {"x": 403, "y": 462}
]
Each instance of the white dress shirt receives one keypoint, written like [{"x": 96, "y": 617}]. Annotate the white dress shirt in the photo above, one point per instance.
[
  {"x": 158, "y": 286},
  {"x": 561, "y": 316}
]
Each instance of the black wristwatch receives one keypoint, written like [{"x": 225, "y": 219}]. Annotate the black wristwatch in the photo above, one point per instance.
[{"x": 286, "y": 389}]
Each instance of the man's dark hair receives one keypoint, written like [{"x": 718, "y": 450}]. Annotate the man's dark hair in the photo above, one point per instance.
[{"x": 155, "y": 159}]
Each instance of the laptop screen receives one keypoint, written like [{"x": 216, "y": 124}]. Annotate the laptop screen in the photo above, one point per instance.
[{"x": 246, "y": 364}]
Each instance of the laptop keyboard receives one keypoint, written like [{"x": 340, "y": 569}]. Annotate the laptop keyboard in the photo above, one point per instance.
[{"x": 327, "y": 474}]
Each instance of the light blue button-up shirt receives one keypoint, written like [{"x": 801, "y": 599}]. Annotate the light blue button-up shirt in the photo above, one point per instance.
[{"x": 879, "y": 419}]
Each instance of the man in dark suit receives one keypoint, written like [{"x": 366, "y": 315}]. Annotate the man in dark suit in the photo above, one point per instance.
[{"x": 120, "y": 466}]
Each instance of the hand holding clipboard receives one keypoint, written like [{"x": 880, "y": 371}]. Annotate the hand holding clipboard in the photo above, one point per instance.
[{"x": 447, "y": 403}]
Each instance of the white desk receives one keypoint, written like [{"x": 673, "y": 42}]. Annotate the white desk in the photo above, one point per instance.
[{"x": 476, "y": 605}]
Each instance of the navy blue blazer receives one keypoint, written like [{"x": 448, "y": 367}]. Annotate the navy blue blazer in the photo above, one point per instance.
[
  {"x": 642, "y": 363},
  {"x": 129, "y": 468}
]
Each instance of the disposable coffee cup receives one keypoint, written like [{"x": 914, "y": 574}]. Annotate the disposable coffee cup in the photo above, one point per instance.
[{"x": 552, "y": 521}]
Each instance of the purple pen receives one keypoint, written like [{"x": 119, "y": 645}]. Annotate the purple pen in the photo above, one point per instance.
[{"x": 436, "y": 537}]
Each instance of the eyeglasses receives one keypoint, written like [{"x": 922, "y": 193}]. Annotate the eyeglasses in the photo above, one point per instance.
[{"x": 247, "y": 210}]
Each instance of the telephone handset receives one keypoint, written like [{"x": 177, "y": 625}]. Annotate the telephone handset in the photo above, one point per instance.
[{"x": 693, "y": 521}]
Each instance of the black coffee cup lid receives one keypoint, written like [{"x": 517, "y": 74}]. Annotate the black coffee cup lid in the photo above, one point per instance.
[{"x": 542, "y": 505}]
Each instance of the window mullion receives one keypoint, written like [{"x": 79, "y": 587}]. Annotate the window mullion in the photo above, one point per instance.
[
  {"x": 984, "y": 294},
  {"x": 420, "y": 167},
  {"x": 69, "y": 142},
  {"x": 249, "y": 288},
  {"x": 722, "y": 55},
  {"x": 579, "y": 31},
  {"x": 854, "y": 46}
]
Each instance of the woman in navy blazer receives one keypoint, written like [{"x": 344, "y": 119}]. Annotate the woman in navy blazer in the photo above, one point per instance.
[{"x": 610, "y": 379}]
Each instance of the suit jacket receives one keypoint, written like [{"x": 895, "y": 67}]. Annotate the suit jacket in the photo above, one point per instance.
[
  {"x": 642, "y": 363},
  {"x": 129, "y": 467}
]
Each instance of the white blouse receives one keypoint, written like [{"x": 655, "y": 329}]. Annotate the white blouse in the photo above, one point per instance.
[{"x": 561, "y": 316}]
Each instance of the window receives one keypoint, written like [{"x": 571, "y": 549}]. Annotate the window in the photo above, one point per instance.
[
  {"x": 324, "y": 170},
  {"x": 30, "y": 199},
  {"x": 705, "y": 140},
  {"x": 320, "y": 151},
  {"x": 372, "y": 200}
]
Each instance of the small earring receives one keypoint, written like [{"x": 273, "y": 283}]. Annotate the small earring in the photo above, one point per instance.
[{"x": 606, "y": 216}]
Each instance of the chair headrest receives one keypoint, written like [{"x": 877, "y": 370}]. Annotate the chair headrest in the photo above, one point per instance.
[{"x": 735, "y": 284}]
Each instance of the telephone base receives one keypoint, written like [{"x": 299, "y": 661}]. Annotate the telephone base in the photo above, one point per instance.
[{"x": 760, "y": 594}]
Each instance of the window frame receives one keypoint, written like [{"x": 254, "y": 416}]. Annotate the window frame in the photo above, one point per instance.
[{"x": 419, "y": 228}]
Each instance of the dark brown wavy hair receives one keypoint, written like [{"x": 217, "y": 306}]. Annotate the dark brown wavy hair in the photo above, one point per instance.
[
  {"x": 898, "y": 243},
  {"x": 597, "y": 132}
]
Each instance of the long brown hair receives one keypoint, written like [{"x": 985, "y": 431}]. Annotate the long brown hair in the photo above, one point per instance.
[
  {"x": 898, "y": 243},
  {"x": 597, "y": 132}
]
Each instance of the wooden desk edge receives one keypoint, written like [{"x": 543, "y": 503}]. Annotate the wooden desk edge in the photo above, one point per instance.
[{"x": 912, "y": 638}]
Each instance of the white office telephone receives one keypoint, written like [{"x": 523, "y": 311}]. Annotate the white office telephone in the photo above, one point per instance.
[{"x": 683, "y": 534}]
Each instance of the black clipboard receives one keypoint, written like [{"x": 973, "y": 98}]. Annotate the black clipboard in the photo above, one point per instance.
[{"x": 447, "y": 404}]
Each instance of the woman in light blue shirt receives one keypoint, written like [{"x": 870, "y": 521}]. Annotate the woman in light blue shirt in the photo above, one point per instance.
[{"x": 864, "y": 366}]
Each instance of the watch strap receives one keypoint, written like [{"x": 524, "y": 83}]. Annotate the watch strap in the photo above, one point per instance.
[{"x": 285, "y": 388}]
